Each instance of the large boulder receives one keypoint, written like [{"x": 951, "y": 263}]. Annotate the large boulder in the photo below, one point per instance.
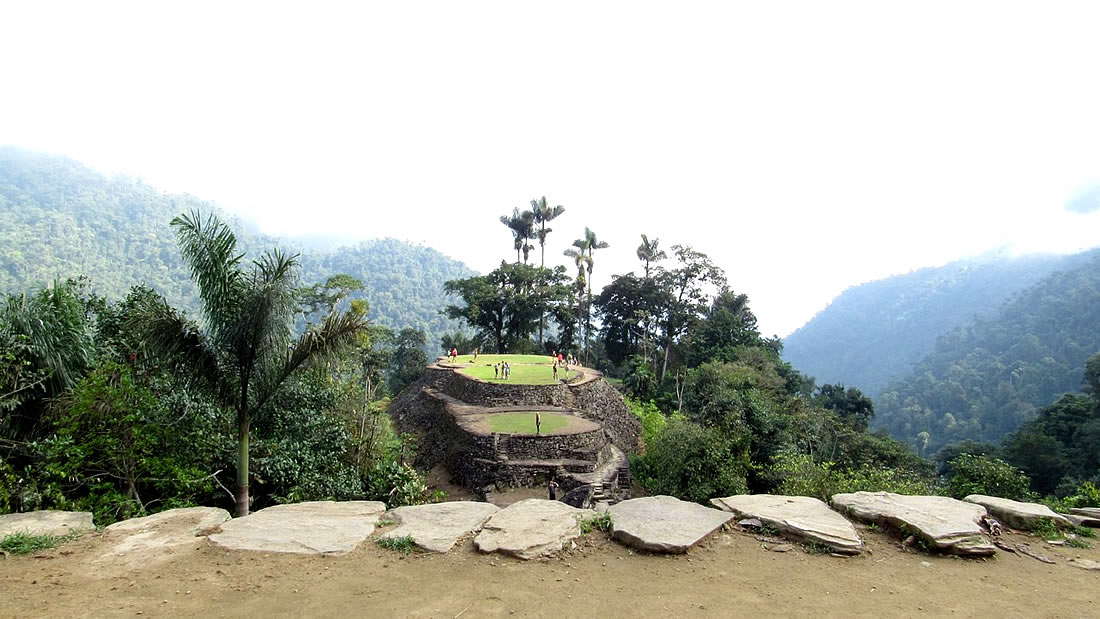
[
  {"x": 531, "y": 528},
  {"x": 663, "y": 523},
  {"x": 1017, "y": 514},
  {"x": 437, "y": 527},
  {"x": 150, "y": 536},
  {"x": 1091, "y": 512},
  {"x": 946, "y": 524},
  {"x": 316, "y": 527},
  {"x": 1083, "y": 521},
  {"x": 46, "y": 522},
  {"x": 802, "y": 518}
]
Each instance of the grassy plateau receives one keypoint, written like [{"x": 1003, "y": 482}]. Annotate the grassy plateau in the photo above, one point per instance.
[{"x": 524, "y": 422}]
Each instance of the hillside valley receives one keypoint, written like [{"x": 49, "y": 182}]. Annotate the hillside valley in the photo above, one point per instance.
[
  {"x": 60, "y": 219},
  {"x": 875, "y": 333}
]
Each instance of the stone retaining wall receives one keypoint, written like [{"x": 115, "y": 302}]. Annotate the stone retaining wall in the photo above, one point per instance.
[
  {"x": 433, "y": 406},
  {"x": 524, "y": 447}
]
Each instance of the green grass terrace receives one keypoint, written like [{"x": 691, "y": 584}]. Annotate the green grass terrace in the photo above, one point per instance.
[
  {"x": 520, "y": 375},
  {"x": 526, "y": 369},
  {"x": 523, "y": 422}
]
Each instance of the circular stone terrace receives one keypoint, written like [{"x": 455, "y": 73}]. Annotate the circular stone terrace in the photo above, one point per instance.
[{"x": 507, "y": 450}]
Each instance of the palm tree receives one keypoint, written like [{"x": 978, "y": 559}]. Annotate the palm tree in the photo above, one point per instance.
[
  {"x": 588, "y": 245},
  {"x": 522, "y": 225},
  {"x": 245, "y": 350},
  {"x": 544, "y": 214},
  {"x": 649, "y": 253},
  {"x": 581, "y": 259}
]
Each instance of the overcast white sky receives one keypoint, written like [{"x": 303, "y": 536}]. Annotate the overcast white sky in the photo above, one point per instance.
[{"x": 806, "y": 146}]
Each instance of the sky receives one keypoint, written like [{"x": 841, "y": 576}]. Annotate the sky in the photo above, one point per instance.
[{"x": 805, "y": 146}]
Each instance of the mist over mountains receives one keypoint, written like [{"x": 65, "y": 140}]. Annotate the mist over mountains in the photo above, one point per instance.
[{"x": 60, "y": 219}]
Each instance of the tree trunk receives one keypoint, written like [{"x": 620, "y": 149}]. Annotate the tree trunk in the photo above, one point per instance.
[
  {"x": 664, "y": 367},
  {"x": 542, "y": 313},
  {"x": 242, "y": 465}
]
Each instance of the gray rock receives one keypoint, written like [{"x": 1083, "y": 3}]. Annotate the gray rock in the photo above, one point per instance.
[
  {"x": 1091, "y": 512},
  {"x": 46, "y": 522},
  {"x": 316, "y": 527},
  {"x": 1086, "y": 564},
  {"x": 531, "y": 528},
  {"x": 664, "y": 523},
  {"x": 1016, "y": 514},
  {"x": 802, "y": 518},
  {"x": 947, "y": 524},
  {"x": 162, "y": 530},
  {"x": 437, "y": 527},
  {"x": 1083, "y": 521}
]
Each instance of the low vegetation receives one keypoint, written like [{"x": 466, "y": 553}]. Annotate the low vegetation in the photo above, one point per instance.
[
  {"x": 600, "y": 522},
  {"x": 404, "y": 545},
  {"x": 25, "y": 543}
]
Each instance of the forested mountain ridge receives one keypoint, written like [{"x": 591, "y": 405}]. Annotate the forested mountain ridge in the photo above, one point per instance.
[
  {"x": 876, "y": 332},
  {"x": 59, "y": 218},
  {"x": 984, "y": 380}
]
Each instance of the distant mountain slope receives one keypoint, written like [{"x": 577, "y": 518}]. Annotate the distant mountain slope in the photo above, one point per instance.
[
  {"x": 984, "y": 380},
  {"x": 60, "y": 219},
  {"x": 875, "y": 332}
]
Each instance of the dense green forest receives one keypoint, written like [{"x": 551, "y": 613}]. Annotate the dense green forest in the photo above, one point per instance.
[
  {"x": 874, "y": 333},
  {"x": 60, "y": 219},
  {"x": 984, "y": 380},
  {"x": 236, "y": 385}
]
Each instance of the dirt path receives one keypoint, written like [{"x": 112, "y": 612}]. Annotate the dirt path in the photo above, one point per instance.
[{"x": 728, "y": 575}]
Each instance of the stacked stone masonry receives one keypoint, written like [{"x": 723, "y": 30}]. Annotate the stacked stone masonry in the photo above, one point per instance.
[{"x": 443, "y": 409}]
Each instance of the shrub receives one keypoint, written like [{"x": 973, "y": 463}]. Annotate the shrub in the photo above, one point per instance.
[
  {"x": 693, "y": 463},
  {"x": 989, "y": 476},
  {"x": 800, "y": 476},
  {"x": 653, "y": 420}
]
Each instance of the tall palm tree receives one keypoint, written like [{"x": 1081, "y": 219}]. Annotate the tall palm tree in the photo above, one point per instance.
[
  {"x": 588, "y": 245},
  {"x": 543, "y": 215},
  {"x": 648, "y": 253},
  {"x": 245, "y": 351},
  {"x": 581, "y": 259},
  {"x": 522, "y": 225}
]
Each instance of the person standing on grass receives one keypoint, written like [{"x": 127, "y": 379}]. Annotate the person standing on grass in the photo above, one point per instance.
[
  {"x": 555, "y": 370},
  {"x": 496, "y": 371},
  {"x": 538, "y": 423},
  {"x": 553, "y": 490}
]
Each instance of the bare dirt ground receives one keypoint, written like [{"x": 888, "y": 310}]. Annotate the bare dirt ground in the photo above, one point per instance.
[{"x": 730, "y": 574}]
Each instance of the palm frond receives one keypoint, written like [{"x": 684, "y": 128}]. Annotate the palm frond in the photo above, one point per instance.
[
  {"x": 210, "y": 249},
  {"x": 334, "y": 334},
  {"x": 179, "y": 344}
]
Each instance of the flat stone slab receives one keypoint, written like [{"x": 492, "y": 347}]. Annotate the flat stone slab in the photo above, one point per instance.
[
  {"x": 315, "y": 527},
  {"x": 1083, "y": 521},
  {"x": 437, "y": 527},
  {"x": 1017, "y": 514},
  {"x": 947, "y": 524},
  {"x": 664, "y": 523},
  {"x": 1091, "y": 512},
  {"x": 165, "y": 529},
  {"x": 1086, "y": 564},
  {"x": 531, "y": 528},
  {"x": 802, "y": 518},
  {"x": 46, "y": 522}
]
